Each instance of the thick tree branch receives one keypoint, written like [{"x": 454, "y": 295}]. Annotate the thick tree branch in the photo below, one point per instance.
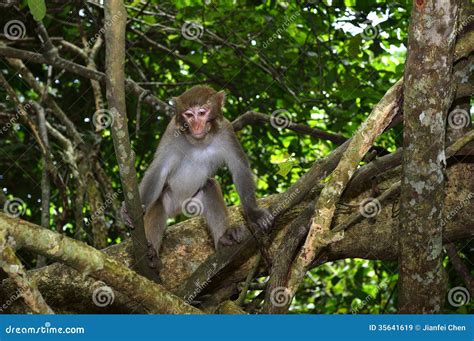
[
  {"x": 428, "y": 93},
  {"x": 87, "y": 260},
  {"x": 10, "y": 263},
  {"x": 114, "y": 59}
]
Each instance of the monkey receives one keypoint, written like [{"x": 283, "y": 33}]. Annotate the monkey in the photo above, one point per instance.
[{"x": 180, "y": 179}]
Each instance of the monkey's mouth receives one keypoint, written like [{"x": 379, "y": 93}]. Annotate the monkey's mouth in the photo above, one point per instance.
[
  {"x": 199, "y": 131},
  {"x": 199, "y": 135}
]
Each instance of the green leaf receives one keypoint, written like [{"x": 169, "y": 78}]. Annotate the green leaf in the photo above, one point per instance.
[
  {"x": 37, "y": 9},
  {"x": 285, "y": 167}
]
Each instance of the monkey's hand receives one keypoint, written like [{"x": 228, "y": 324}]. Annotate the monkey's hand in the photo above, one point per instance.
[
  {"x": 262, "y": 218},
  {"x": 153, "y": 260},
  {"x": 233, "y": 235}
]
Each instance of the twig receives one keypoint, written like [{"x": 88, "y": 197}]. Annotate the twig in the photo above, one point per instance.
[
  {"x": 83, "y": 71},
  {"x": 252, "y": 117},
  {"x": 241, "y": 299},
  {"x": 460, "y": 267}
]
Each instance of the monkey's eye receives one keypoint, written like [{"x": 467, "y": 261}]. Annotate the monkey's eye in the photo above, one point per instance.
[
  {"x": 188, "y": 114},
  {"x": 202, "y": 112}
]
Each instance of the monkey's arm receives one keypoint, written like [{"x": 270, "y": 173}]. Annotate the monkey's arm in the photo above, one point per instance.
[
  {"x": 165, "y": 158},
  {"x": 242, "y": 176},
  {"x": 150, "y": 188},
  {"x": 153, "y": 182}
]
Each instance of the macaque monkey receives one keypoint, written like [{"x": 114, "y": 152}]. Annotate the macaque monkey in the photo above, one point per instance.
[{"x": 196, "y": 143}]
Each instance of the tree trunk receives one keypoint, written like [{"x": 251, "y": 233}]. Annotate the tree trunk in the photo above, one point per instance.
[{"x": 428, "y": 93}]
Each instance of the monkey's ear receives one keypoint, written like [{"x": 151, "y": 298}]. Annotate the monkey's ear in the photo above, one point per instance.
[
  {"x": 220, "y": 98},
  {"x": 174, "y": 103}
]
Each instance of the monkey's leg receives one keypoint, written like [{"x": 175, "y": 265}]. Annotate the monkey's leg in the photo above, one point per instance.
[
  {"x": 155, "y": 225},
  {"x": 215, "y": 210}
]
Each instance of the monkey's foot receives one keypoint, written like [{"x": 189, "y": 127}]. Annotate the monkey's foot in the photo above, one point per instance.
[
  {"x": 153, "y": 260},
  {"x": 263, "y": 219},
  {"x": 232, "y": 236}
]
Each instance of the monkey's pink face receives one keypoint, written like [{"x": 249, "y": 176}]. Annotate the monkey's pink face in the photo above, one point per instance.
[{"x": 197, "y": 120}]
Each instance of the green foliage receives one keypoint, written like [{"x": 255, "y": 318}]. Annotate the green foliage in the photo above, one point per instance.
[
  {"x": 37, "y": 8},
  {"x": 327, "y": 63}
]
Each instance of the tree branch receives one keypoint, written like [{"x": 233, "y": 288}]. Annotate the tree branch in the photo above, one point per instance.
[
  {"x": 115, "y": 82},
  {"x": 88, "y": 260},
  {"x": 252, "y": 117}
]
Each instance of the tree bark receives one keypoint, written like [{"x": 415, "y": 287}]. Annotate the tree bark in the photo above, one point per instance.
[
  {"x": 428, "y": 92},
  {"x": 94, "y": 263},
  {"x": 115, "y": 81}
]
